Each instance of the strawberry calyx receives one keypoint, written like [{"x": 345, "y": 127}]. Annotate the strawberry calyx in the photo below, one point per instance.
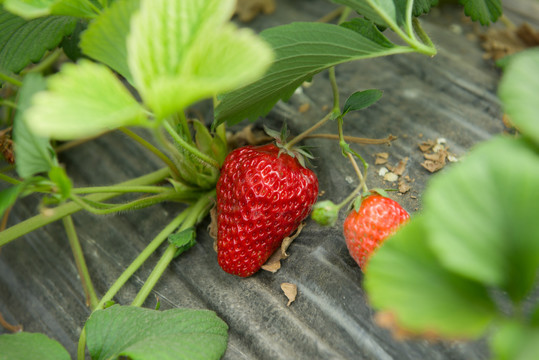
[{"x": 296, "y": 152}]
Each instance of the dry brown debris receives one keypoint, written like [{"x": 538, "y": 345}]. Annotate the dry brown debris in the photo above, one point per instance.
[
  {"x": 247, "y": 10},
  {"x": 436, "y": 154},
  {"x": 274, "y": 262},
  {"x": 290, "y": 291},
  {"x": 501, "y": 42}
]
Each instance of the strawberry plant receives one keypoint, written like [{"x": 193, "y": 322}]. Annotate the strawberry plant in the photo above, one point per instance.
[{"x": 137, "y": 66}]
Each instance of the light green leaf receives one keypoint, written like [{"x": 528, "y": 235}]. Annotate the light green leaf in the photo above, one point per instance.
[
  {"x": 302, "y": 50},
  {"x": 30, "y": 9},
  {"x": 183, "y": 51},
  {"x": 482, "y": 216},
  {"x": 105, "y": 39},
  {"x": 33, "y": 154},
  {"x": 405, "y": 278},
  {"x": 361, "y": 100},
  {"x": 63, "y": 183},
  {"x": 484, "y": 11},
  {"x": 518, "y": 89},
  {"x": 25, "y": 345},
  {"x": 9, "y": 196},
  {"x": 23, "y": 42},
  {"x": 83, "y": 100},
  {"x": 140, "y": 333},
  {"x": 515, "y": 340},
  {"x": 183, "y": 240}
]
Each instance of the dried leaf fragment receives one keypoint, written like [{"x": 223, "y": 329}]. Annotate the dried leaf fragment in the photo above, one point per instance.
[
  {"x": 290, "y": 291},
  {"x": 381, "y": 158},
  {"x": 274, "y": 262},
  {"x": 247, "y": 10}
]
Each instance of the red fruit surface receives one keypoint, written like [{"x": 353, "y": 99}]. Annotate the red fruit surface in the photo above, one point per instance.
[
  {"x": 262, "y": 197},
  {"x": 364, "y": 230}
]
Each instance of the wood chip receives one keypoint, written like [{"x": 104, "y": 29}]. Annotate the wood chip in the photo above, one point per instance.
[
  {"x": 290, "y": 291},
  {"x": 404, "y": 187},
  {"x": 391, "y": 177}
]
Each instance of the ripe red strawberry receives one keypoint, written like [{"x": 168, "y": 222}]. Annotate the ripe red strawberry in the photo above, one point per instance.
[
  {"x": 378, "y": 217},
  {"x": 262, "y": 197}
]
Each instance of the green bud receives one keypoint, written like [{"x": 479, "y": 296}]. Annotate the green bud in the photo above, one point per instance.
[{"x": 325, "y": 213}]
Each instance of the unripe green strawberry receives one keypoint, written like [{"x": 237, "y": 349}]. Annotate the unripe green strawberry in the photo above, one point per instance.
[
  {"x": 263, "y": 194},
  {"x": 378, "y": 217}
]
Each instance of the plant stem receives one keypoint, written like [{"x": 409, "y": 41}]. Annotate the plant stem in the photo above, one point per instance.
[
  {"x": 10, "y": 79},
  {"x": 120, "y": 189},
  {"x": 131, "y": 269},
  {"x": 190, "y": 148},
  {"x": 87, "y": 285},
  {"x": 362, "y": 181},
  {"x": 69, "y": 208},
  {"x": 195, "y": 214},
  {"x": 307, "y": 132},
  {"x": 98, "y": 208},
  {"x": 44, "y": 64},
  {"x": 9, "y": 103},
  {"x": 153, "y": 150},
  {"x": 9, "y": 179},
  {"x": 142, "y": 257},
  {"x": 354, "y": 139}
]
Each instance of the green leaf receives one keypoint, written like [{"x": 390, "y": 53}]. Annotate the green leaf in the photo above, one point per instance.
[
  {"x": 33, "y": 154},
  {"x": 23, "y": 42},
  {"x": 70, "y": 43},
  {"x": 83, "y": 100},
  {"x": 302, "y": 50},
  {"x": 423, "y": 6},
  {"x": 514, "y": 340},
  {"x": 161, "y": 335},
  {"x": 25, "y": 345},
  {"x": 30, "y": 9},
  {"x": 368, "y": 30},
  {"x": 105, "y": 39},
  {"x": 183, "y": 51},
  {"x": 183, "y": 240},
  {"x": 405, "y": 278},
  {"x": 518, "y": 89},
  {"x": 58, "y": 175},
  {"x": 361, "y": 100},
  {"x": 482, "y": 216},
  {"x": 484, "y": 11},
  {"x": 381, "y": 12},
  {"x": 9, "y": 196}
]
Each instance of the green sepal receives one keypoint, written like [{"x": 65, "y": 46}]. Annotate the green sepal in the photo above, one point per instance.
[{"x": 183, "y": 240}]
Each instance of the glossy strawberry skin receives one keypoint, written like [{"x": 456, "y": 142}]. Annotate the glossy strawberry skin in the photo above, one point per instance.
[
  {"x": 262, "y": 197},
  {"x": 364, "y": 230}
]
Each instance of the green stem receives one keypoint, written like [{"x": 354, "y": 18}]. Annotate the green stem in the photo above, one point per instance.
[
  {"x": 195, "y": 214},
  {"x": 10, "y": 79},
  {"x": 335, "y": 90},
  {"x": 307, "y": 132},
  {"x": 153, "y": 150},
  {"x": 423, "y": 35},
  {"x": 120, "y": 189},
  {"x": 87, "y": 285},
  {"x": 69, "y": 208},
  {"x": 9, "y": 179},
  {"x": 190, "y": 148},
  {"x": 182, "y": 120},
  {"x": 98, "y": 208},
  {"x": 409, "y": 16},
  {"x": 9, "y": 103},
  {"x": 47, "y": 62},
  {"x": 81, "y": 348},
  {"x": 131, "y": 269}
]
